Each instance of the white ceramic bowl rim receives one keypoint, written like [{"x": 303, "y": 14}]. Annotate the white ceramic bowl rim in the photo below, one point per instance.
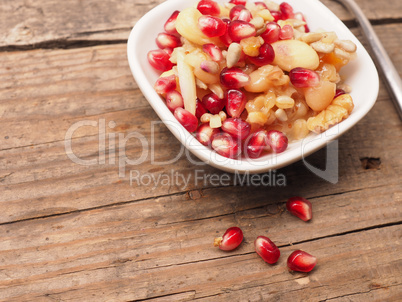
[{"x": 360, "y": 74}]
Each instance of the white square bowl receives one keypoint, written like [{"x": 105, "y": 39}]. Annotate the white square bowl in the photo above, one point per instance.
[{"x": 360, "y": 74}]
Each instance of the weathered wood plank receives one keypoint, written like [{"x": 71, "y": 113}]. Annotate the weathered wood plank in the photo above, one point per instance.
[
  {"x": 51, "y": 23},
  {"x": 91, "y": 92},
  {"x": 122, "y": 254}
]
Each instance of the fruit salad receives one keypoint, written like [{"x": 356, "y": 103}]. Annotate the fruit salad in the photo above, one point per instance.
[{"x": 249, "y": 77}]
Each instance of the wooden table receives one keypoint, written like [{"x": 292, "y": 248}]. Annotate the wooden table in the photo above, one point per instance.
[{"x": 73, "y": 231}]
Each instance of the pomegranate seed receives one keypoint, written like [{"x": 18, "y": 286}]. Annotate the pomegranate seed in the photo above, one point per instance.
[
  {"x": 339, "y": 92},
  {"x": 225, "y": 38},
  {"x": 213, "y": 51},
  {"x": 208, "y": 7},
  {"x": 230, "y": 240},
  {"x": 235, "y": 11},
  {"x": 165, "y": 40},
  {"x": 303, "y": 77},
  {"x": 277, "y": 141},
  {"x": 212, "y": 26},
  {"x": 238, "y": 2},
  {"x": 300, "y": 207},
  {"x": 205, "y": 133},
  {"x": 159, "y": 60},
  {"x": 240, "y": 12},
  {"x": 301, "y": 17},
  {"x": 213, "y": 103},
  {"x": 174, "y": 100},
  {"x": 256, "y": 143},
  {"x": 168, "y": 50},
  {"x": 187, "y": 119},
  {"x": 301, "y": 261},
  {"x": 286, "y": 10},
  {"x": 239, "y": 29},
  {"x": 286, "y": 32},
  {"x": 268, "y": 251},
  {"x": 165, "y": 84},
  {"x": 277, "y": 15},
  {"x": 271, "y": 34},
  {"x": 235, "y": 101},
  {"x": 170, "y": 24},
  {"x": 260, "y": 5},
  {"x": 266, "y": 56},
  {"x": 199, "y": 109},
  {"x": 234, "y": 77},
  {"x": 226, "y": 145},
  {"x": 236, "y": 127}
]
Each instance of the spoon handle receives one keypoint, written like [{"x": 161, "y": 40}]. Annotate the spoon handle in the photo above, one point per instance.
[{"x": 383, "y": 62}]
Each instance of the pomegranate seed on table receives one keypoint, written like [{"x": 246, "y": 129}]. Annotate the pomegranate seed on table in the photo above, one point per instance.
[
  {"x": 205, "y": 133},
  {"x": 199, "y": 109},
  {"x": 303, "y": 77},
  {"x": 159, "y": 59},
  {"x": 174, "y": 100},
  {"x": 212, "y": 26},
  {"x": 170, "y": 26},
  {"x": 277, "y": 141},
  {"x": 165, "y": 40},
  {"x": 208, "y": 7},
  {"x": 213, "y": 103},
  {"x": 236, "y": 127},
  {"x": 165, "y": 84},
  {"x": 235, "y": 102},
  {"x": 267, "y": 250},
  {"x": 230, "y": 240},
  {"x": 256, "y": 143},
  {"x": 234, "y": 77},
  {"x": 339, "y": 92},
  {"x": 286, "y": 10},
  {"x": 300, "y": 207},
  {"x": 187, "y": 119},
  {"x": 239, "y": 29},
  {"x": 271, "y": 33},
  {"x": 213, "y": 51},
  {"x": 301, "y": 261},
  {"x": 286, "y": 32},
  {"x": 226, "y": 145},
  {"x": 225, "y": 38},
  {"x": 265, "y": 57}
]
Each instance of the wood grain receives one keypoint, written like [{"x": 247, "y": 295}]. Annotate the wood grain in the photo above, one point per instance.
[
  {"x": 131, "y": 245},
  {"x": 73, "y": 232},
  {"x": 52, "y": 24}
]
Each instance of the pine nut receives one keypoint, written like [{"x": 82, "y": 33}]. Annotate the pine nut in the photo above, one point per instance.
[
  {"x": 265, "y": 14},
  {"x": 201, "y": 84},
  {"x": 258, "y": 22},
  {"x": 233, "y": 55},
  {"x": 272, "y": 6},
  {"x": 284, "y": 102},
  {"x": 322, "y": 47},
  {"x": 217, "y": 89},
  {"x": 311, "y": 37},
  {"x": 281, "y": 115},
  {"x": 346, "y": 45},
  {"x": 222, "y": 115},
  {"x": 341, "y": 54},
  {"x": 206, "y": 117}
]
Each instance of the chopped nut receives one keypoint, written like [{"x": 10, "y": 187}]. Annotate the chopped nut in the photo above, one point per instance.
[
  {"x": 233, "y": 55},
  {"x": 281, "y": 115},
  {"x": 345, "y": 45},
  {"x": 341, "y": 54},
  {"x": 311, "y": 37},
  {"x": 322, "y": 47}
]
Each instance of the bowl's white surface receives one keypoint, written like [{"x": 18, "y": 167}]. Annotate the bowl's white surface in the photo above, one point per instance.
[{"x": 360, "y": 74}]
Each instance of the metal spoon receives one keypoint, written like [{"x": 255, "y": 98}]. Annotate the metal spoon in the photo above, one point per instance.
[{"x": 381, "y": 58}]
